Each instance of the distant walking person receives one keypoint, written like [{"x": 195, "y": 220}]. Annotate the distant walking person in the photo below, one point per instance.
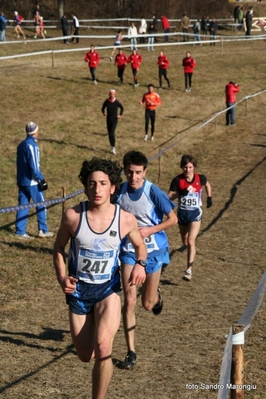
[
  {"x": 31, "y": 183},
  {"x": 166, "y": 27},
  {"x": 93, "y": 59},
  {"x": 213, "y": 27},
  {"x": 187, "y": 187},
  {"x": 117, "y": 43},
  {"x": 189, "y": 64},
  {"x": 18, "y": 20},
  {"x": 110, "y": 110},
  {"x": 121, "y": 62},
  {"x": 248, "y": 17},
  {"x": 65, "y": 27},
  {"x": 135, "y": 60},
  {"x": 230, "y": 94},
  {"x": 3, "y": 22},
  {"x": 185, "y": 26},
  {"x": 151, "y": 100},
  {"x": 75, "y": 23},
  {"x": 163, "y": 64}
]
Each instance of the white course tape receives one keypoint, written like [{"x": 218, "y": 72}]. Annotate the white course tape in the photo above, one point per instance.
[{"x": 238, "y": 339}]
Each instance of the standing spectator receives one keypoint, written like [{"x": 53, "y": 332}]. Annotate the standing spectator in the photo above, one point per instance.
[
  {"x": 204, "y": 26},
  {"x": 151, "y": 32},
  {"x": 132, "y": 35},
  {"x": 93, "y": 59},
  {"x": 121, "y": 62},
  {"x": 3, "y": 27},
  {"x": 230, "y": 94},
  {"x": 196, "y": 31},
  {"x": 18, "y": 20},
  {"x": 149, "y": 204},
  {"x": 248, "y": 17},
  {"x": 241, "y": 18},
  {"x": 189, "y": 64},
  {"x": 92, "y": 285},
  {"x": 187, "y": 187},
  {"x": 166, "y": 27},
  {"x": 117, "y": 43},
  {"x": 75, "y": 23},
  {"x": 37, "y": 9},
  {"x": 213, "y": 31},
  {"x": 110, "y": 110},
  {"x": 65, "y": 27},
  {"x": 163, "y": 64},
  {"x": 236, "y": 13},
  {"x": 185, "y": 26},
  {"x": 155, "y": 22},
  {"x": 135, "y": 60},
  {"x": 151, "y": 100},
  {"x": 142, "y": 29},
  {"x": 31, "y": 183}
]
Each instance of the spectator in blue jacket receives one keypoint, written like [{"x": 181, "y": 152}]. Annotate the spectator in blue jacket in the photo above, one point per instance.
[
  {"x": 2, "y": 27},
  {"x": 31, "y": 183}
]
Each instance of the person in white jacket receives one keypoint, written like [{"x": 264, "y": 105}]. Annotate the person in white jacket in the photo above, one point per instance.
[
  {"x": 142, "y": 29},
  {"x": 132, "y": 35}
]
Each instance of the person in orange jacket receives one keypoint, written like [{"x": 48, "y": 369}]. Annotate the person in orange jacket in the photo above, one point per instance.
[
  {"x": 135, "y": 60},
  {"x": 230, "y": 93},
  {"x": 163, "y": 64},
  {"x": 189, "y": 64},
  {"x": 93, "y": 59},
  {"x": 151, "y": 100}
]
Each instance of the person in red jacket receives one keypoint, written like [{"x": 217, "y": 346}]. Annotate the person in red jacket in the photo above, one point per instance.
[
  {"x": 163, "y": 64},
  {"x": 151, "y": 100},
  {"x": 120, "y": 62},
  {"x": 166, "y": 26},
  {"x": 135, "y": 60},
  {"x": 93, "y": 59},
  {"x": 189, "y": 64},
  {"x": 230, "y": 93}
]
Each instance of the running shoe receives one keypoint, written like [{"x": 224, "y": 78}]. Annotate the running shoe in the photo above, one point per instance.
[
  {"x": 159, "y": 305},
  {"x": 145, "y": 137},
  {"x": 25, "y": 236},
  {"x": 46, "y": 234},
  {"x": 130, "y": 360},
  {"x": 188, "y": 275}
]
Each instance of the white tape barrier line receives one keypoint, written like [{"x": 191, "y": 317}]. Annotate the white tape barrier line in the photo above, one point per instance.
[{"x": 245, "y": 319}]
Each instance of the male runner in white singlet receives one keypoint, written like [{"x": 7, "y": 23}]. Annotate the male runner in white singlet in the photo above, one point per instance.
[{"x": 92, "y": 285}]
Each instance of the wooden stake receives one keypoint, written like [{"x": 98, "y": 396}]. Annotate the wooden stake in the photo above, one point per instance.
[{"x": 237, "y": 369}]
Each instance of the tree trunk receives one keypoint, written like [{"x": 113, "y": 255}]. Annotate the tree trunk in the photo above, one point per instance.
[{"x": 60, "y": 8}]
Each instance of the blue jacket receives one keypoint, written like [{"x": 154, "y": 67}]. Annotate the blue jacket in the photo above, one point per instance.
[
  {"x": 28, "y": 163},
  {"x": 2, "y": 23}
]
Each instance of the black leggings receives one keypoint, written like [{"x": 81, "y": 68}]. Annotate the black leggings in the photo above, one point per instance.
[
  {"x": 188, "y": 80},
  {"x": 149, "y": 115},
  {"x": 111, "y": 126},
  {"x": 120, "y": 73},
  {"x": 163, "y": 73},
  {"x": 93, "y": 73}
]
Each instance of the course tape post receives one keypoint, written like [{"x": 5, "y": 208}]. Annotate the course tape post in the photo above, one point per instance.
[{"x": 246, "y": 319}]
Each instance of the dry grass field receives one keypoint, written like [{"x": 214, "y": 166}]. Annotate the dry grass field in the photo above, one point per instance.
[{"x": 184, "y": 345}]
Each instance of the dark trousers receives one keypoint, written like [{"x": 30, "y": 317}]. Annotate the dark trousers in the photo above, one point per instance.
[
  {"x": 120, "y": 74},
  {"x": 163, "y": 73},
  {"x": 188, "y": 80},
  {"x": 93, "y": 73},
  {"x": 185, "y": 35},
  {"x": 111, "y": 126},
  {"x": 149, "y": 115},
  {"x": 76, "y": 33}
]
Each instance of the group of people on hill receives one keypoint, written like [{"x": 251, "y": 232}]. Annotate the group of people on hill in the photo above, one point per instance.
[{"x": 241, "y": 15}]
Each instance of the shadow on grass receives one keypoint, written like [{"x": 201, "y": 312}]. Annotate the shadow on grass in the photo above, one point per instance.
[{"x": 48, "y": 334}]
